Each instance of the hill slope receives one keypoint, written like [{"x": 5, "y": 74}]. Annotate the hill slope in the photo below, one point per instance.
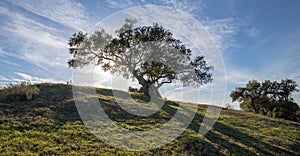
[{"x": 51, "y": 125}]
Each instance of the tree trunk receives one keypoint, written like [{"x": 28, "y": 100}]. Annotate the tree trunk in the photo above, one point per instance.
[
  {"x": 154, "y": 92},
  {"x": 150, "y": 90},
  {"x": 255, "y": 109}
]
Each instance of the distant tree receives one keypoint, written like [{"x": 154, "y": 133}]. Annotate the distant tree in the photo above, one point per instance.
[
  {"x": 149, "y": 54},
  {"x": 268, "y": 98},
  {"x": 249, "y": 95}
]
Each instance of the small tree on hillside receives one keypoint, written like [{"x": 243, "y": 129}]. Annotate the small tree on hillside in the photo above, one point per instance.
[
  {"x": 249, "y": 95},
  {"x": 149, "y": 54},
  {"x": 268, "y": 98}
]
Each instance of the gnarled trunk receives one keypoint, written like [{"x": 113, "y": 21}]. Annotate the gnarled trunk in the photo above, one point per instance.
[
  {"x": 254, "y": 107},
  {"x": 150, "y": 90},
  {"x": 148, "y": 87}
]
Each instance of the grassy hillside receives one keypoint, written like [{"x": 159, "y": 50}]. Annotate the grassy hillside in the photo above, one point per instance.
[{"x": 50, "y": 124}]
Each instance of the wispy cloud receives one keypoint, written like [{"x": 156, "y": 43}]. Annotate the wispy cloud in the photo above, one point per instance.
[
  {"x": 239, "y": 77},
  {"x": 188, "y": 6},
  {"x": 124, "y": 4},
  {"x": 23, "y": 27},
  {"x": 3, "y": 58},
  {"x": 37, "y": 43},
  {"x": 3, "y": 81},
  {"x": 252, "y": 32},
  {"x": 67, "y": 12},
  {"x": 19, "y": 77},
  {"x": 3, "y": 78},
  {"x": 34, "y": 79},
  {"x": 3, "y": 53},
  {"x": 184, "y": 5},
  {"x": 9, "y": 62},
  {"x": 223, "y": 31}
]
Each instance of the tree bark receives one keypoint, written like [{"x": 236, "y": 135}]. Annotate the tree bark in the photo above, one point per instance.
[
  {"x": 148, "y": 87},
  {"x": 255, "y": 109},
  {"x": 154, "y": 92},
  {"x": 150, "y": 90}
]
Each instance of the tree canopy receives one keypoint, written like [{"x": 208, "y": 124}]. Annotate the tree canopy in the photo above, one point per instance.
[
  {"x": 149, "y": 54},
  {"x": 270, "y": 98}
]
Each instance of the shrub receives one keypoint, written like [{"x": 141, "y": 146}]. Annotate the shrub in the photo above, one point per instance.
[
  {"x": 135, "y": 90},
  {"x": 22, "y": 91},
  {"x": 286, "y": 110},
  {"x": 131, "y": 89}
]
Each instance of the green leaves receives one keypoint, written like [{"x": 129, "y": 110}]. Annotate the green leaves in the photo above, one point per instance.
[
  {"x": 268, "y": 98},
  {"x": 148, "y": 53}
]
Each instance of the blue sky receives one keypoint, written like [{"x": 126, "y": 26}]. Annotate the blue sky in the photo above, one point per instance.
[{"x": 257, "y": 39}]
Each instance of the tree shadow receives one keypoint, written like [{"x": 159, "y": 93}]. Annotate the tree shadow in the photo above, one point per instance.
[
  {"x": 59, "y": 98},
  {"x": 240, "y": 143},
  {"x": 222, "y": 139},
  {"x": 67, "y": 112},
  {"x": 216, "y": 142}
]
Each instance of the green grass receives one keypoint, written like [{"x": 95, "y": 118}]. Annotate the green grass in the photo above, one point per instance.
[{"x": 50, "y": 125}]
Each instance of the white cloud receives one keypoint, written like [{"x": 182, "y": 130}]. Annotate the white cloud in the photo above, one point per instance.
[
  {"x": 223, "y": 31},
  {"x": 25, "y": 77},
  {"x": 24, "y": 27},
  {"x": 185, "y": 5},
  {"x": 253, "y": 32},
  {"x": 34, "y": 79},
  {"x": 123, "y": 4},
  {"x": 3, "y": 78},
  {"x": 37, "y": 43},
  {"x": 239, "y": 77},
  {"x": 3, "y": 54},
  {"x": 67, "y": 12},
  {"x": 9, "y": 62}
]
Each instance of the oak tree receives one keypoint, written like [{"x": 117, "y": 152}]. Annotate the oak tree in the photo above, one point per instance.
[
  {"x": 149, "y": 54},
  {"x": 270, "y": 98}
]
